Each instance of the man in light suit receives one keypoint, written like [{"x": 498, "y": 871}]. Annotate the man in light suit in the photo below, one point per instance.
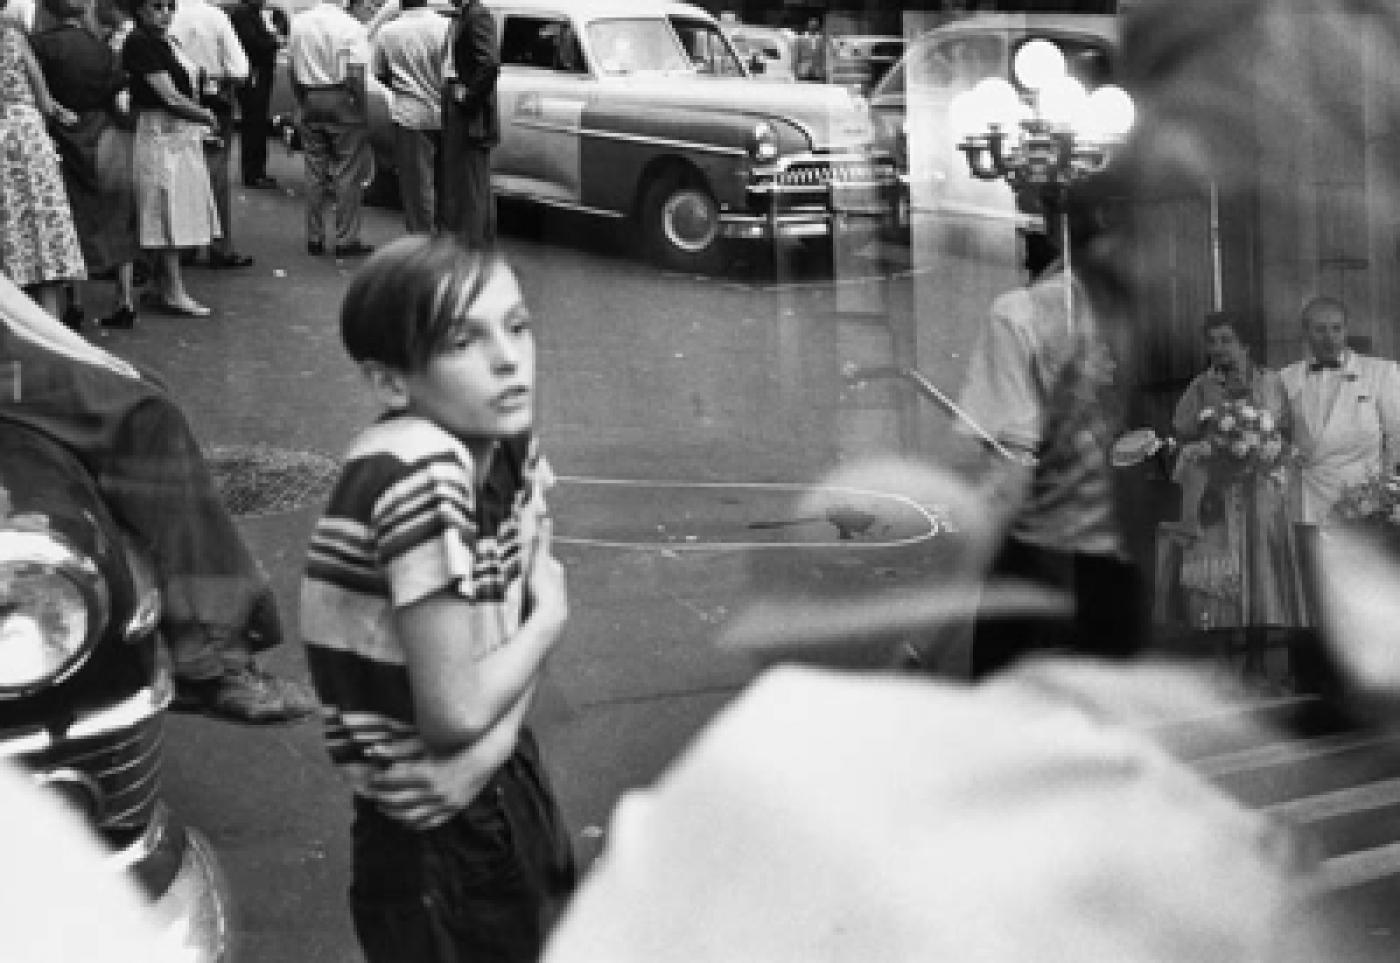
[{"x": 1345, "y": 410}]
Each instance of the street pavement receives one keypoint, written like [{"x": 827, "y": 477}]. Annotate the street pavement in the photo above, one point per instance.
[{"x": 695, "y": 423}]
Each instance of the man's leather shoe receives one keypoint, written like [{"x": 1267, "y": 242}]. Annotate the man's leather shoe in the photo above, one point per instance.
[
  {"x": 231, "y": 259},
  {"x": 248, "y": 694},
  {"x": 315, "y": 248},
  {"x": 354, "y": 249},
  {"x": 261, "y": 183}
]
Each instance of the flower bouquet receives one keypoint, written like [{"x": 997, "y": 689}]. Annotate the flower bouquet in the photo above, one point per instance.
[
  {"x": 1373, "y": 503},
  {"x": 1240, "y": 438}
]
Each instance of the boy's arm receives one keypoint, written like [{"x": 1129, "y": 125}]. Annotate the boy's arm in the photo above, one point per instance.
[
  {"x": 459, "y": 697},
  {"x": 424, "y": 793}
]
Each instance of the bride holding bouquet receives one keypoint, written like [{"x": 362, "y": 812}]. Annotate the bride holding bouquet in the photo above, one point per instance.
[{"x": 1238, "y": 567}]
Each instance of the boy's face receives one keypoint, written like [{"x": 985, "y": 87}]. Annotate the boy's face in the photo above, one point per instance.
[{"x": 481, "y": 381}]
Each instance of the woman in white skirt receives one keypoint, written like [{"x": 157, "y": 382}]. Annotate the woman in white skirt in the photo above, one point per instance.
[{"x": 174, "y": 203}]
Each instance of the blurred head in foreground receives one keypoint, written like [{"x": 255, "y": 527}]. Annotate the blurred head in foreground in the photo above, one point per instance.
[{"x": 835, "y": 817}]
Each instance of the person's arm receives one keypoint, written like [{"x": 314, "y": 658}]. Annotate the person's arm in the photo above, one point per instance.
[
  {"x": 425, "y": 792},
  {"x": 1000, "y": 393},
  {"x": 177, "y": 103},
  {"x": 1389, "y": 403},
  {"x": 233, "y": 59},
  {"x": 294, "y": 42},
  {"x": 459, "y": 696},
  {"x": 475, "y": 57},
  {"x": 42, "y": 99}
]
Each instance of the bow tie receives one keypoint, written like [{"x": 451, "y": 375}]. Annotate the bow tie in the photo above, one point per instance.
[{"x": 1334, "y": 364}]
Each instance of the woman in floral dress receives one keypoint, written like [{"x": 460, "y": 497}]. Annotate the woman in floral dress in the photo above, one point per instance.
[
  {"x": 1239, "y": 568},
  {"x": 38, "y": 244}
]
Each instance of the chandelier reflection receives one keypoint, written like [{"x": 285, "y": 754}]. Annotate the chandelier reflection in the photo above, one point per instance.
[{"x": 1045, "y": 139}]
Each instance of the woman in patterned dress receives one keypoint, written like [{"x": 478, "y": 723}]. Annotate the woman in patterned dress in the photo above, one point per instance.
[{"x": 38, "y": 244}]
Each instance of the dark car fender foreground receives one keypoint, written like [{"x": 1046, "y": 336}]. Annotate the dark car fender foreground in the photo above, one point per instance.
[{"x": 84, "y": 686}]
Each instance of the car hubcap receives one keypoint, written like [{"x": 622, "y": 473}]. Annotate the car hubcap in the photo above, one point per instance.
[{"x": 690, "y": 220}]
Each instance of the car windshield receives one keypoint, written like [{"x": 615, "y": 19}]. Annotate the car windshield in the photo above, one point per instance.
[
  {"x": 634, "y": 46},
  {"x": 707, "y": 48}
]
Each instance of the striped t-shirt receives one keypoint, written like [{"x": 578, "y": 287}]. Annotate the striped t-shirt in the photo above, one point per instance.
[{"x": 404, "y": 522}]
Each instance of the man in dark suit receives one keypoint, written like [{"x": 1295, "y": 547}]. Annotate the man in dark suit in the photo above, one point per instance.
[
  {"x": 470, "y": 125},
  {"x": 260, "y": 42}
]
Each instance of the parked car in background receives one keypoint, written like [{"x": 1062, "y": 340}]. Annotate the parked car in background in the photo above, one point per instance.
[
  {"x": 642, "y": 110},
  {"x": 84, "y": 685},
  {"x": 860, "y": 62},
  {"x": 766, "y": 51},
  {"x": 910, "y": 105}
]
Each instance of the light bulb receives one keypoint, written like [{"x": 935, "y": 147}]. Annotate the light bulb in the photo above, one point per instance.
[
  {"x": 997, "y": 102},
  {"x": 1064, "y": 103},
  {"x": 1038, "y": 64},
  {"x": 1109, "y": 114}
]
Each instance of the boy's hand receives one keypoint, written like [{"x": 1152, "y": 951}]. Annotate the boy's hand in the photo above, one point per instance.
[{"x": 426, "y": 793}]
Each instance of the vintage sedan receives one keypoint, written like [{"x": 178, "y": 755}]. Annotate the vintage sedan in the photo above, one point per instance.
[{"x": 642, "y": 110}]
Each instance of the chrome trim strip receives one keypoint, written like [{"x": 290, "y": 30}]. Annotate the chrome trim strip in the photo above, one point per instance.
[
  {"x": 663, "y": 142},
  {"x": 556, "y": 202},
  {"x": 135, "y": 708},
  {"x": 149, "y": 841}
]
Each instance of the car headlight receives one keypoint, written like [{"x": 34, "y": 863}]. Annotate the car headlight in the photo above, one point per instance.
[
  {"x": 53, "y": 607},
  {"x": 763, "y": 142}
]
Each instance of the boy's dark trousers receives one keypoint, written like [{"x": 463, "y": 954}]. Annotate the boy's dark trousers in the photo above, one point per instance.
[{"x": 488, "y": 885}]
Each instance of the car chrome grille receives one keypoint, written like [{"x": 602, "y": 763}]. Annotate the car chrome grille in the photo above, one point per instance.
[
  {"x": 820, "y": 174},
  {"x": 124, "y": 765}
]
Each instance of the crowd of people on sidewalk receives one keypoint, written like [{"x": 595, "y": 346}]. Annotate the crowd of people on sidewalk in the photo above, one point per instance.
[{"x": 118, "y": 127}]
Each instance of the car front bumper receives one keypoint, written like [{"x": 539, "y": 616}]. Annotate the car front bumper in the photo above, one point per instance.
[{"x": 844, "y": 208}]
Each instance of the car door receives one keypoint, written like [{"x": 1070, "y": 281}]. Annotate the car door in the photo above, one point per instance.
[{"x": 542, "y": 92}]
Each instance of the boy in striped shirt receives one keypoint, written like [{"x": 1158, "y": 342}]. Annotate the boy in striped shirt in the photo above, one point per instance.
[{"x": 430, "y": 602}]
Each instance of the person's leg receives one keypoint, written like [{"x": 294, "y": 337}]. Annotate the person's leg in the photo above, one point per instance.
[
  {"x": 413, "y": 157},
  {"x": 351, "y": 161},
  {"x": 1111, "y": 618},
  {"x": 253, "y": 101},
  {"x": 140, "y": 451},
  {"x": 319, "y": 190},
  {"x": 217, "y": 157},
  {"x": 451, "y": 158},
  {"x": 478, "y": 214},
  {"x": 1000, "y": 637},
  {"x": 172, "y": 283},
  {"x": 432, "y": 140}
]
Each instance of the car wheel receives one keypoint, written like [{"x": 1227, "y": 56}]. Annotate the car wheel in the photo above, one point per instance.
[{"x": 680, "y": 222}]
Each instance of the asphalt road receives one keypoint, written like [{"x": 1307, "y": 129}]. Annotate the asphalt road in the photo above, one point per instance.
[{"x": 709, "y": 450}]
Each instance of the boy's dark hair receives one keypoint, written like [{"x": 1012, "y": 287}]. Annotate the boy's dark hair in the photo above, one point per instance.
[{"x": 404, "y": 303}]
